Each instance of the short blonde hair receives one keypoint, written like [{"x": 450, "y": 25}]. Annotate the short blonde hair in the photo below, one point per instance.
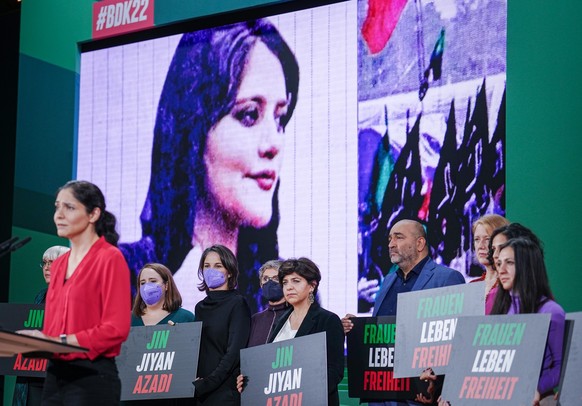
[{"x": 490, "y": 222}]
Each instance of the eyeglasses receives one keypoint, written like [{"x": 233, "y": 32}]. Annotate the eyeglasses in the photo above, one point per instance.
[
  {"x": 45, "y": 264},
  {"x": 266, "y": 279}
]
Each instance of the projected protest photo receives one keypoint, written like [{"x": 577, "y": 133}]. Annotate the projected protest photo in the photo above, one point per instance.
[
  {"x": 231, "y": 135},
  {"x": 431, "y": 128}
]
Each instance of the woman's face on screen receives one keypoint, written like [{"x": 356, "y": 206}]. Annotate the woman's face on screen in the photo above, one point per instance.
[{"x": 244, "y": 149}]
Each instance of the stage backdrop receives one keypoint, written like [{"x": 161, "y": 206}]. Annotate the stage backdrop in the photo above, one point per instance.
[{"x": 540, "y": 141}]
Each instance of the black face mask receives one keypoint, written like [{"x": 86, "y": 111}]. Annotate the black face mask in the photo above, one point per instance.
[{"x": 272, "y": 291}]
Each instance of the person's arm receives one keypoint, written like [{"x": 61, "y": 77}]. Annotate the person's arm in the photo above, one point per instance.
[
  {"x": 552, "y": 364},
  {"x": 335, "y": 352},
  {"x": 238, "y": 334}
]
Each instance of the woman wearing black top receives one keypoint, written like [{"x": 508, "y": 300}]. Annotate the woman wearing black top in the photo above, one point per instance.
[
  {"x": 226, "y": 321},
  {"x": 300, "y": 279}
]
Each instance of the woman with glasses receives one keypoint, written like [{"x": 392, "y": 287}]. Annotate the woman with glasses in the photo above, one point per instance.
[
  {"x": 262, "y": 323},
  {"x": 47, "y": 260},
  {"x": 28, "y": 391}
]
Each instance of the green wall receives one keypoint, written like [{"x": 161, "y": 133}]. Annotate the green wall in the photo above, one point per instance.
[
  {"x": 544, "y": 135},
  {"x": 27, "y": 279}
]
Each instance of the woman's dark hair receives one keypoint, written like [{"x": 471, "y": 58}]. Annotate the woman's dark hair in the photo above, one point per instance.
[
  {"x": 228, "y": 261},
  {"x": 90, "y": 196},
  {"x": 200, "y": 89},
  {"x": 303, "y": 267},
  {"x": 514, "y": 230},
  {"x": 530, "y": 283},
  {"x": 172, "y": 297}
]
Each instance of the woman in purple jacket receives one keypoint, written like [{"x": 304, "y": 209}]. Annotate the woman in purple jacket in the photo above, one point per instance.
[{"x": 525, "y": 289}]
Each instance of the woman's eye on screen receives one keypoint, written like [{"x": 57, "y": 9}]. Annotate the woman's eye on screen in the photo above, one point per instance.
[
  {"x": 248, "y": 116},
  {"x": 279, "y": 115}
]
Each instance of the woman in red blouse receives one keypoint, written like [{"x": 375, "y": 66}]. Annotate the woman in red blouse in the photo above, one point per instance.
[{"x": 88, "y": 302}]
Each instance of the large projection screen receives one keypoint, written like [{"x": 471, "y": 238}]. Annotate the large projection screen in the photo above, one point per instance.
[{"x": 400, "y": 113}]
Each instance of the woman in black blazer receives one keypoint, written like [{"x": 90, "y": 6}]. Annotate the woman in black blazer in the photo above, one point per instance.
[{"x": 300, "y": 280}]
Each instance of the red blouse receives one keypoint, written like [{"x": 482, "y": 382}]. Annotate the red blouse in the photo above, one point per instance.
[{"x": 94, "y": 303}]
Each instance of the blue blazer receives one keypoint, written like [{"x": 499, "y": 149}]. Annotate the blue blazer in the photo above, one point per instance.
[{"x": 431, "y": 276}]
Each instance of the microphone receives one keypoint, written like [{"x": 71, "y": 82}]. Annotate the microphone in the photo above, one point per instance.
[
  {"x": 171, "y": 323},
  {"x": 7, "y": 244},
  {"x": 20, "y": 243},
  {"x": 12, "y": 245}
]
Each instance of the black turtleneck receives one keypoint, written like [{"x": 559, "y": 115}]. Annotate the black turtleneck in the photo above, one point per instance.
[{"x": 226, "y": 321}]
